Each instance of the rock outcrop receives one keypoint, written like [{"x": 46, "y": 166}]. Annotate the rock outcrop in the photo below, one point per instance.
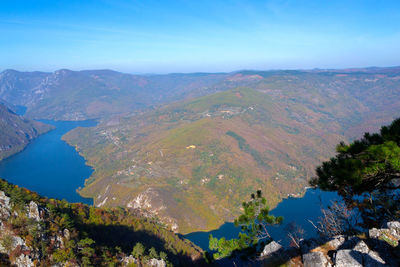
[
  {"x": 5, "y": 207},
  {"x": 36, "y": 231},
  {"x": 379, "y": 247},
  {"x": 33, "y": 211},
  {"x": 315, "y": 259},
  {"x": 151, "y": 203},
  {"x": 131, "y": 261},
  {"x": 157, "y": 263},
  {"x": 11, "y": 242}
]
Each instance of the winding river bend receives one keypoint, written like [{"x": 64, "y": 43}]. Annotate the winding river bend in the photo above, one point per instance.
[
  {"x": 52, "y": 168},
  {"x": 49, "y": 166}
]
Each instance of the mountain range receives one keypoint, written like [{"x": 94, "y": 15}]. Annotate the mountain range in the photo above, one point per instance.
[
  {"x": 79, "y": 95},
  {"x": 188, "y": 148}
]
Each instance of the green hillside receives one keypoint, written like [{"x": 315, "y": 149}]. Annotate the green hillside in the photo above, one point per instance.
[
  {"x": 16, "y": 132},
  {"x": 191, "y": 163}
]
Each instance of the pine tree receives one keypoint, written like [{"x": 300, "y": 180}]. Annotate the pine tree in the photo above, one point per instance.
[
  {"x": 254, "y": 223},
  {"x": 138, "y": 250},
  {"x": 366, "y": 174}
]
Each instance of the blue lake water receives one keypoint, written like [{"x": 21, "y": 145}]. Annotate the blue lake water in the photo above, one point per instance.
[
  {"x": 52, "y": 168},
  {"x": 298, "y": 210},
  {"x": 49, "y": 166}
]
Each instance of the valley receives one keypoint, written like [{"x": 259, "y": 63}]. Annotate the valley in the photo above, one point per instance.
[
  {"x": 192, "y": 162},
  {"x": 188, "y": 148},
  {"x": 199, "y": 133},
  {"x": 53, "y": 169}
]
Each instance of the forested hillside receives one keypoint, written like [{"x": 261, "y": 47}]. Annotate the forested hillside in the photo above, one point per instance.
[
  {"x": 37, "y": 231},
  {"x": 16, "y": 131},
  {"x": 202, "y": 156}
]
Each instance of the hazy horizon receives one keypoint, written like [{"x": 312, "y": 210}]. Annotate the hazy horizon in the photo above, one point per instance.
[
  {"x": 205, "y": 72},
  {"x": 208, "y": 36}
]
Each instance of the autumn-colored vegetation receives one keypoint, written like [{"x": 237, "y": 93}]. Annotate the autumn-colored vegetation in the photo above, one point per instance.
[
  {"x": 97, "y": 237},
  {"x": 202, "y": 187},
  {"x": 275, "y": 126}
]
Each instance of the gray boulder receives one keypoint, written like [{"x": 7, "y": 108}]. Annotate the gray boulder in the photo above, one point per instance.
[
  {"x": 374, "y": 233},
  {"x": 315, "y": 259},
  {"x": 394, "y": 225},
  {"x": 4, "y": 206},
  {"x": 157, "y": 263},
  {"x": 270, "y": 249},
  {"x": 348, "y": 258},
  {"x": 33, "y": 211},
  {"x": 361, "y": 247},
  {"x": 394, "y": 229},
  {"x": 336, "y": 242}
]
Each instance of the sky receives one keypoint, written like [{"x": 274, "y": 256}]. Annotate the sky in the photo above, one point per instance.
[{"x": 147, "y": 36}]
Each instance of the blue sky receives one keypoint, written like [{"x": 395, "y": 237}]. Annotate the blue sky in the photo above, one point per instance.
[{"x": 149, "y": 36}]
